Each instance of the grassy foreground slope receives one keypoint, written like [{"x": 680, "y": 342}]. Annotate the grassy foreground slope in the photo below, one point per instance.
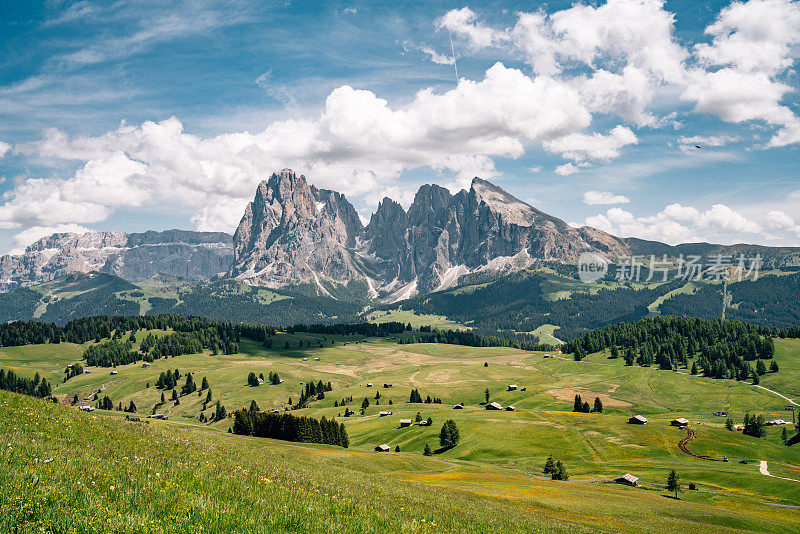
[
  {"x": 483, "y": 484},
  {"x": 73, "y": 472}
]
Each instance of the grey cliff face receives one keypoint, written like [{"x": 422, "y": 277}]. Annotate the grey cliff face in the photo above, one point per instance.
[
  {"x": 135, "y": 257},
  {"x": 291, "y": 233}
]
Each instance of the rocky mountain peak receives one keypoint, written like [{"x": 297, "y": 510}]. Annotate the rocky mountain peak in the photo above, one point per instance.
[
  {"x": 292, "y": 233},
  {"x": 509, "y": 207}
]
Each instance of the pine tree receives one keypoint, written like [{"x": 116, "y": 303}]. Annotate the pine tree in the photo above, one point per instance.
[
  {"x": 773, "y": 366},
  {"x": 189, "y": 386},
  {"x": 784, "y": 435},
  {"x": 427, "y": 451},
  {"x": 694, "y": 368},
  {"x": 598, "y": 405},
  {"x": 254, "y": 406},
  {"x": 252, "y": 380},
  {"x": 174, "y": 394},
  {"x": 560, "y": 472},
  {"x": 577, "y": 406},
  {"x": 397, "y": 448},
  {"x": 219, "y": 412},
  {"x": 673, "y": 482},
  {"x": 204, "y": 384},
  {"x": 549, "y": 466},
  {"x": 449, "y": 435},
  {"x": 729, "y": 423},
  {"x": 486, "y": 395}
]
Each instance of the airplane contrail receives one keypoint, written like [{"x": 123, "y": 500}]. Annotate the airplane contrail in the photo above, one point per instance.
[{"x": 453, "y": 52}]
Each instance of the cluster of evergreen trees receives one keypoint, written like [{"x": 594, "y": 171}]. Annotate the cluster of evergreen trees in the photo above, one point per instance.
[
  {"x": 105, "y": 403},
  {"x": 313, "y": 391},
  {"x": 723, "y": 348},
  {"x": 258, "y": 333},
  {"x": 35, "y": 387},
  {"x": 111, "y": 354},
  {"x": 583, "y": 407},
  {"x": 470, "y": 339},
  {"x": 556, "y": 469},
  {"x": 253, "y": 380},
  {"x": 79, "y": 331},
  {"x": 353, "y": 329},
  {"x": 168, "y": 379},
  {"x": 754, "y": 426},
  {"x": 76, "y": 369},
  {"x": 288, "y": 427},
  {"x": 416, "y": 397},
  {"x": 116, "y": 352}
]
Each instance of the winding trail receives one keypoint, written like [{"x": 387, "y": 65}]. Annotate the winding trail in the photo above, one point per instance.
[
  {"x": 764, "y": 471},
  {"x": 683, "y": 446},
  {"x": 778, "y": 394}
]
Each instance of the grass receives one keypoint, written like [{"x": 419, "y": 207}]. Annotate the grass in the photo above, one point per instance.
[
  {"x": 487, "y": 487},
  {"x": 416, "y": 320}
]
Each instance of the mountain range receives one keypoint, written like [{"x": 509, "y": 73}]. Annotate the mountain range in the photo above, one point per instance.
[{"x": 293, "y": 233}]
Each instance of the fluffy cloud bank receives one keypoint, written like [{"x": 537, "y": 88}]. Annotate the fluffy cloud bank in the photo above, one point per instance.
[
  {"x": 676, "y": 223},
  {"x": 629, "y": 49},
  {"x": 357, "y": 145},
  {"x": 612, "y": 60}
]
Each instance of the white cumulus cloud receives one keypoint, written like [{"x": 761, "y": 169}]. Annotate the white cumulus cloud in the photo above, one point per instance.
[
  {"x": 677, "y": 224},
  {"x": 604, "y": 197}
]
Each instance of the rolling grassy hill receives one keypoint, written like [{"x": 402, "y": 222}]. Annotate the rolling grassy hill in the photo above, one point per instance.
[{"x": 484, "y": 483}]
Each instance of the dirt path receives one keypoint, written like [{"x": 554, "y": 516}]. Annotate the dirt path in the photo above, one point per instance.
[
  {"x": 683, "y": 446},
  {"x": 765, "y": 471},
  {"x": 778, "y": 394}
]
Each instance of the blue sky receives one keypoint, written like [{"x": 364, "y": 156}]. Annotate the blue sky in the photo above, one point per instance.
[{"x": 152, "y": 115}]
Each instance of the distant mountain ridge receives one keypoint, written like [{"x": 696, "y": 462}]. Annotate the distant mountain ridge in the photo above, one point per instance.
[
  {"x": 134, "y": 257},
  {"x": 293, "y": 233}
]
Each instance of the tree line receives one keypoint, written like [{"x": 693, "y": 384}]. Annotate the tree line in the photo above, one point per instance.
[
  {"x": 470, "y": 339},
  {"x": 99, "y": 327},
  {"x": 351, "y": 329},
  {"x": 722, "y": 349},
  {"x": 288, "y": 427},
  {"x": 34, "y": 387}
]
